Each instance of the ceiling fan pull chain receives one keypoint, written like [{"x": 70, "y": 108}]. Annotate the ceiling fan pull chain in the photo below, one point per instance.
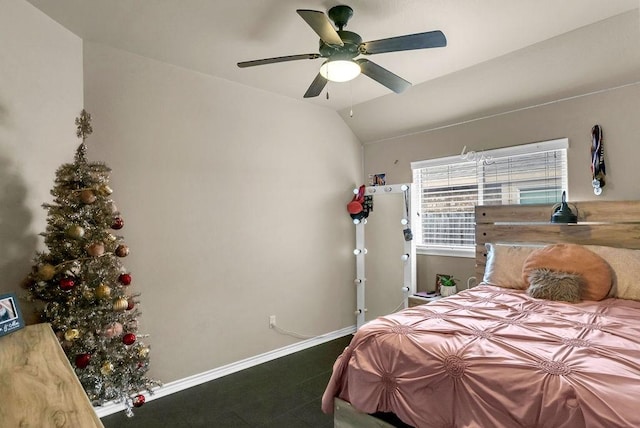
[{"x": 351, "y": 99}]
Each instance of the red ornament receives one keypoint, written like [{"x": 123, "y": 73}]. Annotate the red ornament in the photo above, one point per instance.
[
  {"x": 82, "y": 360},
  {"x": 27, "y": 283},
  {"x": 125, "y": 279},
  {"x": 67, "y": 283},
  {"x": 138, "y": 400},
  {"x": 131, "y": 304},
  {"x": 118, "y": 223},
  {"x": 129, "y": 339}
]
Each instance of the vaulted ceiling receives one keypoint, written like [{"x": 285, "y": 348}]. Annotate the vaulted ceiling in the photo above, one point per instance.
[{"x": 501, "y": 55}]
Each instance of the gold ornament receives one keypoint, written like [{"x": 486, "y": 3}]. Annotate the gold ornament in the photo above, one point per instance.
[
  {"x": 120, "y": 304},
  {"x": 96, "y": 249},
  {"x": 88, "y": 294},
  {"x": 143, "y": 352},
  {"x": 105, "y": 190},
  {"x": 107, "y": 368},
  {"x": 75, "y": 231},
  {"x": 87, "y": 196},
  {"x": 103, "y": 291},
  {"x": 122, "y": 250},
  {"x": 72, "y": 334},
  {"x": 46, "y": 271},
  {"x": 111, "y": 237}
]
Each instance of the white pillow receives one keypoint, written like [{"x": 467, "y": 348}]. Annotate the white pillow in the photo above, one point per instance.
[
  {"x": 504, "y": 264},
  {"x": 625, "y": 264}
]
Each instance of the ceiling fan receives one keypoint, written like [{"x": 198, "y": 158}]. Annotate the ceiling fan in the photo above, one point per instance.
[{"x": 341, "y": 48}]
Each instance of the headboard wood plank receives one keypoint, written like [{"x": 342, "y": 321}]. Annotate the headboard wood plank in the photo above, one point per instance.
[
  {"x": 617, "y": 235},
  {"x": 588, "y": 211},
  {"x": 610, "y": 223}
]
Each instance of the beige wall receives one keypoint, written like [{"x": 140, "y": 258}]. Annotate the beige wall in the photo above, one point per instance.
[
  {"x": 616, "y": 110},
  {"x": 233, "y": 198},
  {"x": 40, "y": 95},
  {"x": 234, "y": 208}
]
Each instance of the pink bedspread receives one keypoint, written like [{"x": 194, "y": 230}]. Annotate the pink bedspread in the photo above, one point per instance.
[{"x": 495, "y": 358}]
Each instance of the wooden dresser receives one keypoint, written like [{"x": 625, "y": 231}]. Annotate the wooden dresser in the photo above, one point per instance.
[{"x": 38, "y": 387}]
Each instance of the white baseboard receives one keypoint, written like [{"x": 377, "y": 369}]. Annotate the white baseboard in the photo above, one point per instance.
[{"x": 188, "y": 382}]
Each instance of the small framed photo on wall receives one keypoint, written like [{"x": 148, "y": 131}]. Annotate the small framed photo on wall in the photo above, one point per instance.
[
  {"x": 10, "y": 315},
  {"x": 377, "y": 179}
]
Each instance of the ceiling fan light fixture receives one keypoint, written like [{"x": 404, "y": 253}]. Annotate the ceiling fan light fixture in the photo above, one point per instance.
[
  {"x": 340, "y": 48},
  {"x": 340, "y": 70}
]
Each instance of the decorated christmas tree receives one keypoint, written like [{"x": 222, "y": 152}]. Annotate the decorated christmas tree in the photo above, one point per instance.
[{"x": 82, "y": 288}]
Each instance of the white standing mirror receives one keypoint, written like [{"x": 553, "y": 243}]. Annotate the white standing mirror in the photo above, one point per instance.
[{"x": 389, "y": 263}]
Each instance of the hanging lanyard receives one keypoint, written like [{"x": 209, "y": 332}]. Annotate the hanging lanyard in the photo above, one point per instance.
[
  {"x": 598, "y": 170},
  {"x": 406, "y": 206},
  {"x": 408, "y": 235}
]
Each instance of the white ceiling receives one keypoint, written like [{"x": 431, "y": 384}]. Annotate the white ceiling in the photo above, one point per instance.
[{"x": 211, "y": 36}]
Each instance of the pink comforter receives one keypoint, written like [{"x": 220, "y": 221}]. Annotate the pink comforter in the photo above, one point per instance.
[{"x": 496, "y": 358}]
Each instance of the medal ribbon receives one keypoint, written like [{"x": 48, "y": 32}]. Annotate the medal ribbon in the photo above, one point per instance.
[{"x": 598, "y": 170}]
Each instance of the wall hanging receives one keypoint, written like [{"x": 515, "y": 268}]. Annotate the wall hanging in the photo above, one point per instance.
[{"x": 598, "y": 170}]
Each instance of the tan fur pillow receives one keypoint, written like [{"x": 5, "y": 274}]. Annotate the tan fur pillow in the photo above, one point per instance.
[
  {"x": 574, "y": 259},
  {"x": 550, "y": 285}
]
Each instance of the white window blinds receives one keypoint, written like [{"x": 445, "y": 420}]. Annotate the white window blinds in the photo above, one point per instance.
[{"x": 450, "y": 188}]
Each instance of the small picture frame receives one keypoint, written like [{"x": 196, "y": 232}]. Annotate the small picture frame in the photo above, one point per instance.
[
  {"x": 10, "y": 315},
  {"x": 377, "y": 179}
]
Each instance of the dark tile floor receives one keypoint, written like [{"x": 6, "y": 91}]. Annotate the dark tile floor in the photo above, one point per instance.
[{"x": 282, "y": 393}]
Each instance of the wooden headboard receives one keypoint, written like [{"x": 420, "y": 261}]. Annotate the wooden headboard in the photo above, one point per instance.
[{"x": 610, "y": 223}]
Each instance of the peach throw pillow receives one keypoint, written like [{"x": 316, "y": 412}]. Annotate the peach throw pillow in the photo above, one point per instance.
[{"x": 574, "y": 259}]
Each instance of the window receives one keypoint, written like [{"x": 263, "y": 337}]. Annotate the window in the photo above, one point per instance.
[{"x": 448, "y": 189}]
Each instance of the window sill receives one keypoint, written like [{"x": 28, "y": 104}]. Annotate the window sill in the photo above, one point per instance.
[{"x": 446, "y": 252}]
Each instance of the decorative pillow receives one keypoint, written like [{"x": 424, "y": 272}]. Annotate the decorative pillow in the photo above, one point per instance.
[
  {"x": 575, "y": 259},
  {"x": 504, "y": 264},
  {"x": 550, "y": 285},
  {"x": 625, "y": 263}
]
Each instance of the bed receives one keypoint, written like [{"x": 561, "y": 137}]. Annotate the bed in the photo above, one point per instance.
[{"x": 505, "y": 353}]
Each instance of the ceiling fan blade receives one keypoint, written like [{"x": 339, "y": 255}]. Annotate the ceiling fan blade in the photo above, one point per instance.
[
  {"x": 430, "y": 39},
  {"x": 316, "y": 87},
  {"x": 319, "y": 22},
  {"x": 277, "y": 59},
  {"x": 383, "y": 76}
]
